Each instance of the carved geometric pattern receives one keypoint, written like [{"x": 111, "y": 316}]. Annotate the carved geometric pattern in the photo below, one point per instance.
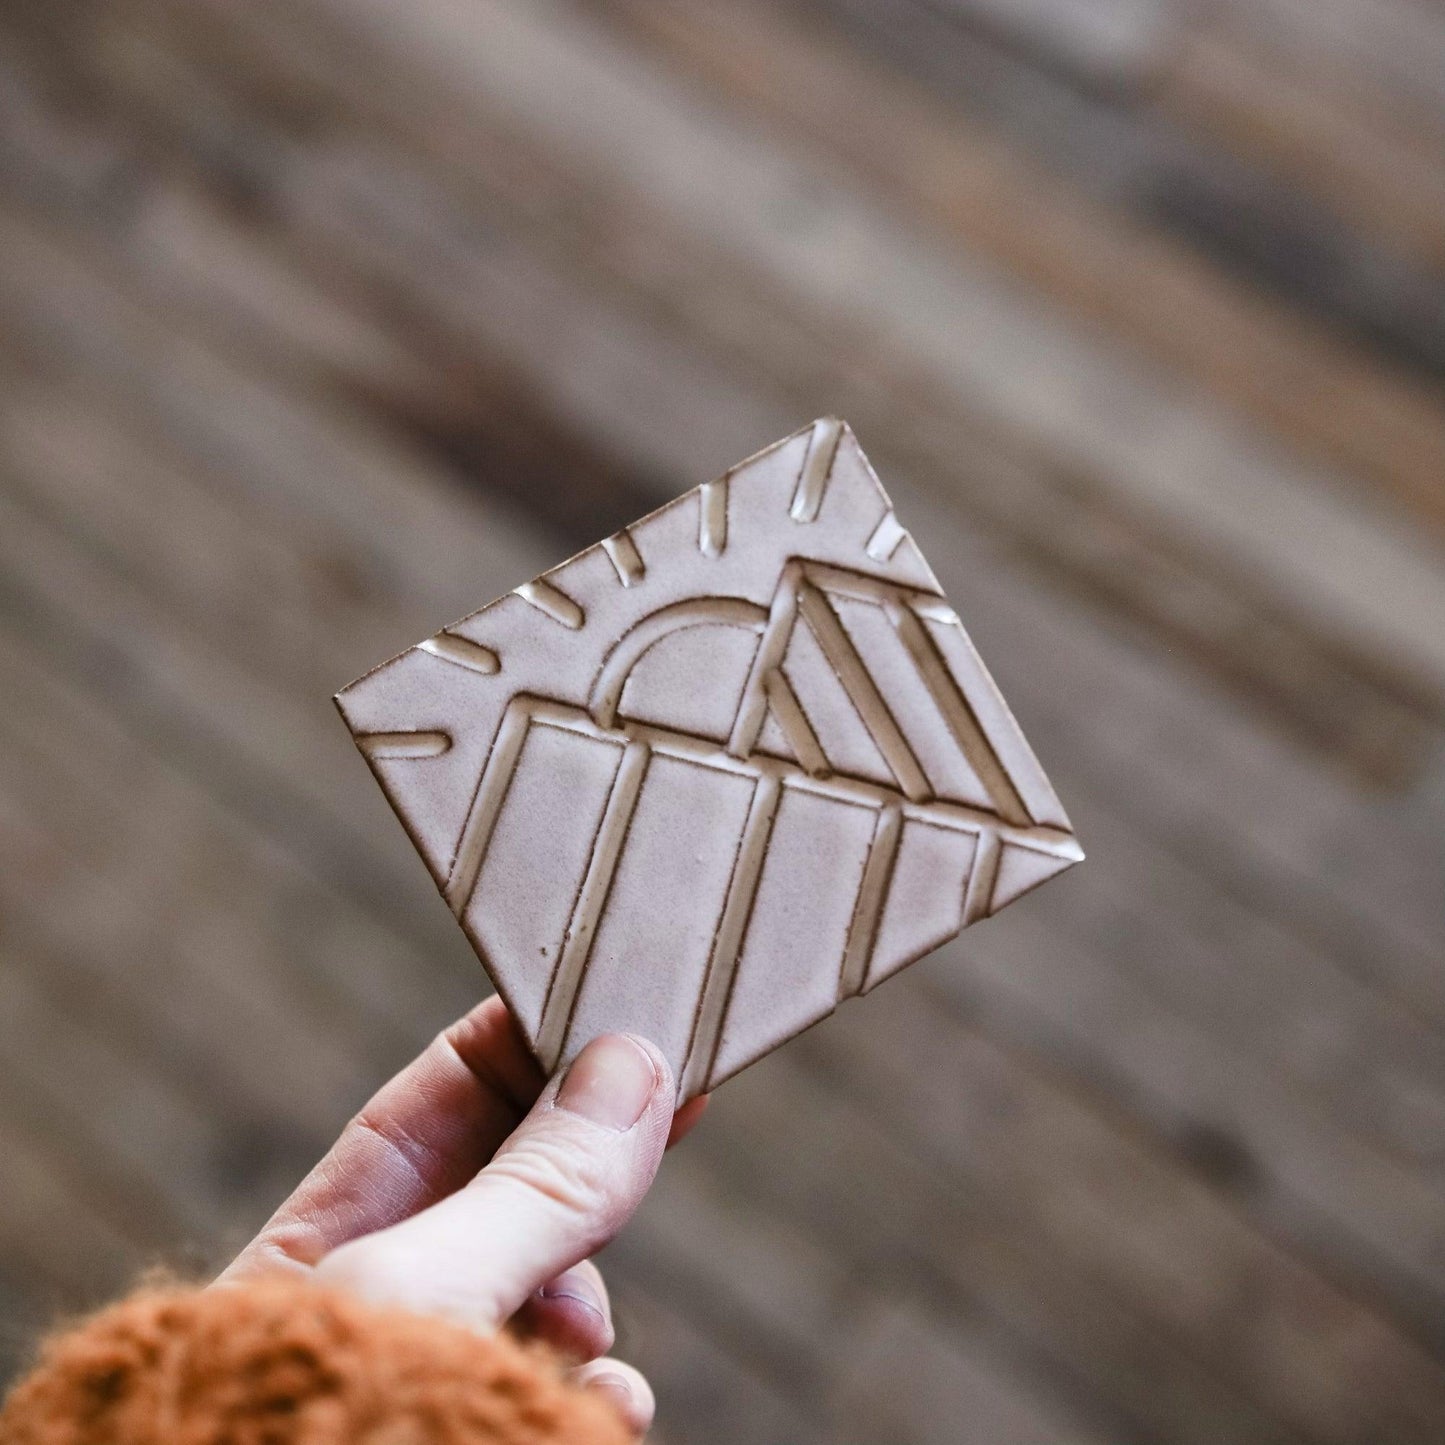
[{"x": 705, "y": 780}]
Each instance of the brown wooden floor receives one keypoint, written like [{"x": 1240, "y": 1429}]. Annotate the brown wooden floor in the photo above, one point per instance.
[{"x": 323, "y": 321}]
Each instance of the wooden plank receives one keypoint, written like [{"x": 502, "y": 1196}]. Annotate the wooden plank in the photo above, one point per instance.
[
  {"x": 794, "y": 1307},
  {"x": 1236, "y": 973},
  {"x": 1268, "y": 103},
  {"x": 1267, "y": 827},
  {"x": 1110, "y": 144},
  {"x": 77, "y": 460},
  {"x": 294, "y": 450},
  {"x": 705, "y": 1397},
  {"x": 1042, "y": 1155},
  {"x": 1054, "y": 958},
  {"x": 280, "y": 735},
  {"x": 256, "y": 1145},
  {"x": 1118, "y": 43},
  {"x": 285, "y": 775},
  {"x": 56, "y": 1242},
  {"x": 901, "y": 1222},
  {"x": 287, "y": 454},
  {"x": 764, "y": 1289},
  {"x": 1377, "y": 60},
  {"x": 257, "y": 296},
  {"x": 172, "y": 898},
  {"x": 919, "y": 1378},
  {"x": 135, "y": 1133},
  {"x": 1390, "y": 53},
  {"x": 58, "y": 1252},
  {"x": 1296, "y": 378},
  {"x": 1358, "y": 1214},
  {"x": 1077, "y": 1196}
]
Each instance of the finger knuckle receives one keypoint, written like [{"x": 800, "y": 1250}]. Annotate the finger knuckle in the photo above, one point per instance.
[{"x": 573, "y": 1179}]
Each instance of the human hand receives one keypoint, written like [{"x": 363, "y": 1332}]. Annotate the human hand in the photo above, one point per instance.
[{"x": 469, "y": 1187}]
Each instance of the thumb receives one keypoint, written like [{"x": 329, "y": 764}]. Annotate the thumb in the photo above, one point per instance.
[{"x": 559, "y": 1189}]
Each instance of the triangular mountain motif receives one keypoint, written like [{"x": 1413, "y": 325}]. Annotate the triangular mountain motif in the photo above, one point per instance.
[{"x": 711, "y": 776}]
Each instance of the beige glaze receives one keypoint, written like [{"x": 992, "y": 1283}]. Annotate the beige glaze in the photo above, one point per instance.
[{"x": 718, "y": 772}]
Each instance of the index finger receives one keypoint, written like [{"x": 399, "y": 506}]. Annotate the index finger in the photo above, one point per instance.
[{"x": 420, "y": 1138}]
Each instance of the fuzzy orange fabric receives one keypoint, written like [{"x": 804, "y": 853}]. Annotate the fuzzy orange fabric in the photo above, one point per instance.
[{"x": 282, "y": 1363}]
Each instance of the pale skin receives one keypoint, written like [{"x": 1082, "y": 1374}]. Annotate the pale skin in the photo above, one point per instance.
[{"x": 471, "y": 1188}]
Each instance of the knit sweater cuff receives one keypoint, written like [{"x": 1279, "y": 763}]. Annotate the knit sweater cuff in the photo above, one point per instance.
[{"x": 283, "y": 1363}]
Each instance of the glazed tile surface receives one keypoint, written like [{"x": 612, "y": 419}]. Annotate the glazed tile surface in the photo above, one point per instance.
[{"x": 717, "y": 773}]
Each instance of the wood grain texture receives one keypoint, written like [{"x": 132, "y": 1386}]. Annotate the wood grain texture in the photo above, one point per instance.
[{"x": 320, "y": 321}]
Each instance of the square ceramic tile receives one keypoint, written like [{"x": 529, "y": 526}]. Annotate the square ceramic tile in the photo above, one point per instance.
[{"x": 716, "y": 773}]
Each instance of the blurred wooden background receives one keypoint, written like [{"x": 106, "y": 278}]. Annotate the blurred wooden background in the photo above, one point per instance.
[{"x": 324, "y": 321}]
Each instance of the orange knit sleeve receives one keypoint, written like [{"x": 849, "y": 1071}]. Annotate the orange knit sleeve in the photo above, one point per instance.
[{"x": 283, "y": 1363}]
